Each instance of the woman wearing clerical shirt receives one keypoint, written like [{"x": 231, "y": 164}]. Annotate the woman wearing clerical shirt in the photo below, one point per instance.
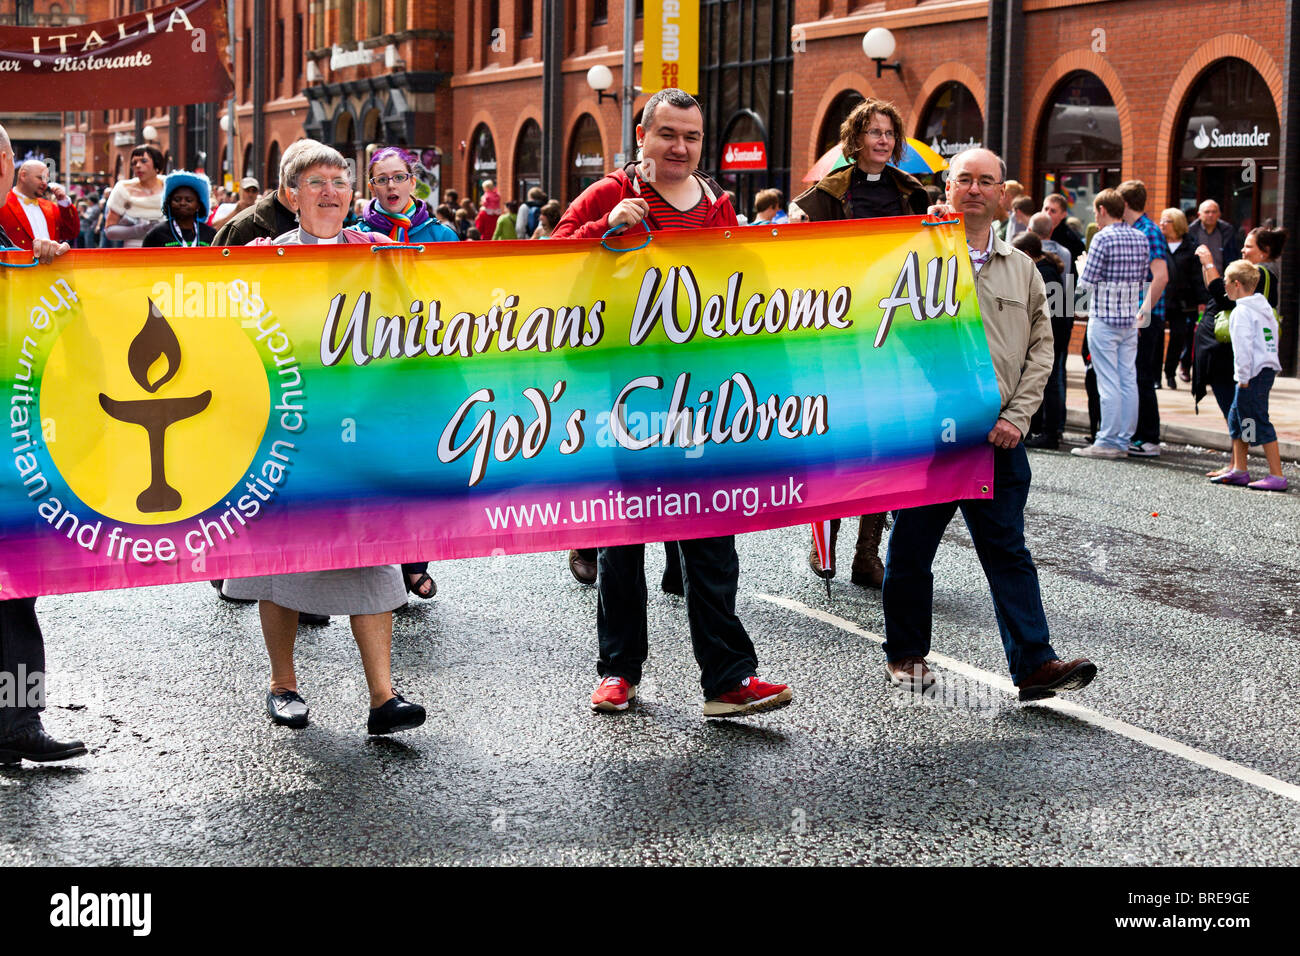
[
  {"x": 321, "y": 185},
  {"x": 868, "y": 188}
]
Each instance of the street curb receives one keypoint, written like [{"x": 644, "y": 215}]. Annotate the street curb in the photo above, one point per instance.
[{"x": 1215, "y": 438}]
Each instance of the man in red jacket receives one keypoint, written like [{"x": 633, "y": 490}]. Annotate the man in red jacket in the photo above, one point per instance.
[
  {"x": 664, "y": 190},
  {"x": 27, "y": 215}
]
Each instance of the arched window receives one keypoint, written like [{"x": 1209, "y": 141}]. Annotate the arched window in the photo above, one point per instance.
[
  {"x": 1227, "y": 145},
  {"x": 373, "y": 125},
  {"x": 1079, "y": 144},
  {"x": 829, "y": 135},
  {"x": 951, "y": 121},
  {"x": 482, "y": 160},
  {"x": 586, "y": 156},
  {"x": 528, "y": 160},
  {"x": 273, "y": 166},
  {"x": 344, "y": 133},
  {"x": 743, "y": 166}
]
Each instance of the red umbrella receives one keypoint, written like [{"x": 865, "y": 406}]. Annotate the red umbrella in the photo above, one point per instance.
[{"x": 821, "y": 531}]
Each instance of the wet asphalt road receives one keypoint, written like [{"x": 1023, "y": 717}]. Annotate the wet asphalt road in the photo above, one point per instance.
[{"x": 1193, "y": 617}]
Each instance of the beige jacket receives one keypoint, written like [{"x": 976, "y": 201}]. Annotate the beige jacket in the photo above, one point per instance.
[{"x": 1013, "y": 305}]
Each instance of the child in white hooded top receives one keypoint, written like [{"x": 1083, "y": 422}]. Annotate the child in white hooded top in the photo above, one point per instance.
[{"x": 1253, "y": 328}]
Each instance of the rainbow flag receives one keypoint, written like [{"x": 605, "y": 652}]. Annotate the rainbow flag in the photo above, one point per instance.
[{"x": 192, "y": 414}]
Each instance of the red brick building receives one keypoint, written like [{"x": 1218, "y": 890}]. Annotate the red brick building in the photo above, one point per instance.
[
  {"x": 1101, "y": 91},
  {"x": 497, "y": 95},
  {"x": 377, "y": 72}
]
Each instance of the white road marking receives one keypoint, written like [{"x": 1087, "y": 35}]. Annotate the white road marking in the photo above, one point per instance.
[{"x": 1155, "y": 741}]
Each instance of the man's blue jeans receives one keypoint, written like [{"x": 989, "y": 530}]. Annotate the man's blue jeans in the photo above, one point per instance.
[
  {"x": 997, "y": 528},
  {"x": 1114, "y": 359}
]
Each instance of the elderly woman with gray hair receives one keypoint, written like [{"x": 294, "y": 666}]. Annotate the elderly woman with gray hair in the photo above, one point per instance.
[{"x": 321, "y": 185}]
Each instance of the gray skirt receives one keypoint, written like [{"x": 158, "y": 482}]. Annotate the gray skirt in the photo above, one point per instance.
[{"x": 346, "y": 591}]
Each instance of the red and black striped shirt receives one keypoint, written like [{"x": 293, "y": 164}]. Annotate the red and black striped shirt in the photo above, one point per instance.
[{"x": 664, "y": 215}]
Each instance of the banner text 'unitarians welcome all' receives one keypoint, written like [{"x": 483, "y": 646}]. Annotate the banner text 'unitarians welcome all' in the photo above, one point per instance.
[
  {"x": 187, "y": 414},
  {"x": 171, "y": 55}
]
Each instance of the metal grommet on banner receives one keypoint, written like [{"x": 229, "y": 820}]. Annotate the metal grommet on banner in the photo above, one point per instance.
[
  {"x": 727, "y": 234},
  {"x": 398, "y": 245},
  {"x": 984, "y": 489},
  {"x": 617, "y": 229},
  {"x": 225, "y": 252},
  {"x": 775, "y": 232},
  {"x": 280, "y": 251},
  {"x": 939, "y": 222}
]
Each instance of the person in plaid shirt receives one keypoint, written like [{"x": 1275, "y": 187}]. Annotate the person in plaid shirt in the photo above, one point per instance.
[
  {"x": 1114, "y": 274},
  {"x": 1151, "y": 339}
]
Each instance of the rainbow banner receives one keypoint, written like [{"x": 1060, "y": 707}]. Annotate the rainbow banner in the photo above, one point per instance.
[{"x": 188, "y": 414}]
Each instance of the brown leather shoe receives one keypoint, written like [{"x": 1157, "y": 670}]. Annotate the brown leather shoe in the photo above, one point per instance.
[
  {"x": 868, "y": 571},
  {"x": 1056, "y": 676},
  {"x": 583, "y": 570},
  {"x": 909, "y": 673}
]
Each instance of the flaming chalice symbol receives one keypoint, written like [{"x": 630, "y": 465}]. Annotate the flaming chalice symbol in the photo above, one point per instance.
[{"x": 155, "y": 415}]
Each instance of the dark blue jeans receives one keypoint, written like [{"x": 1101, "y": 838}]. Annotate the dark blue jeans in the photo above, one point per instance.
[
  {"x": 1049, "y": 420},
  {"x": 710, "y": 572},
  {"x": 997, "y": 528}
]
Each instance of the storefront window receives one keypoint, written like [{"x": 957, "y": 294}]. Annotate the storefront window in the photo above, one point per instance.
[
  {"x": 744, "y": 160},
  {"x": 952, "y": 121},
  {"x": 528, "y": 160},
  {"x": 1079, "y": 146},
  {"x": 586, "y": 156},
  {"x": 483, "y": 161},
  {"x": 839, "y": 111},
  {"x": 1229, "y": 146}
]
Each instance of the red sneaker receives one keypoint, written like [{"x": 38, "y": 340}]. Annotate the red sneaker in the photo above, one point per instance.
[
  {"x": 750, "y": 696},
  {"x": 613, "y": 693}
]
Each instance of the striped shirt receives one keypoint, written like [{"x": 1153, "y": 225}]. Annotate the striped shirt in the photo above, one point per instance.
[
  {"x": 1115, "y": 274},
  {"x": 664, "y": 215}
]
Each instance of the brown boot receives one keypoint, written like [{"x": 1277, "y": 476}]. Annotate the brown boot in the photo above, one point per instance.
[
  {"x": 868, "y": 572},
  {"x": 813, "y": 561}
]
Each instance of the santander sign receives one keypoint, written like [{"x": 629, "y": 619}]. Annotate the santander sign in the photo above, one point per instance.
[{"x": 744, "y": 156}]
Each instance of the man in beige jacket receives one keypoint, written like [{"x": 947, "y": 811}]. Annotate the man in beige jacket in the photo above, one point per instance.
[{"x": 1013, "y": 305}]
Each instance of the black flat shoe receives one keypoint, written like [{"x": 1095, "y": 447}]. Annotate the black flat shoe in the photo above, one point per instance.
[
  {"x": 315, "y": 620},
  {"x": 394, "y": 715},
  {"x": 39, "y": 747},
  {"x": 221, "y": 593},
  {"x": 287, "y": 709},
  {"x": 1042, "y": 441}
]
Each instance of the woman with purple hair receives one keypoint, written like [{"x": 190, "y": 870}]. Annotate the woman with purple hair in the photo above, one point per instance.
[{"x": 394, "y": 211}]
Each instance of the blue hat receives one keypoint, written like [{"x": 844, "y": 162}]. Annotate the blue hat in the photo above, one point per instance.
[{"x": 196, "y": 181}]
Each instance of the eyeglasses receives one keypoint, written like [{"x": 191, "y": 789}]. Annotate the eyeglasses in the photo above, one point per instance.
[
  {"x": 965, "y": 181},
  {"x": 396, "y": 179},
  {"x": 880, "y": 134},
  {"x": 338, "y": 183}
]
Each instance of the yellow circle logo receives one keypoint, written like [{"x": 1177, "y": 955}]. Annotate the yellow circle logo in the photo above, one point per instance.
[{"x": 154, "y": 419}]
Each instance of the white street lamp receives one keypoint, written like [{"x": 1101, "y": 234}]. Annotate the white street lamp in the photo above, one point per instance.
[
  {"x": 878, "y": 44},
  {"x": 599, "y": 78}
]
